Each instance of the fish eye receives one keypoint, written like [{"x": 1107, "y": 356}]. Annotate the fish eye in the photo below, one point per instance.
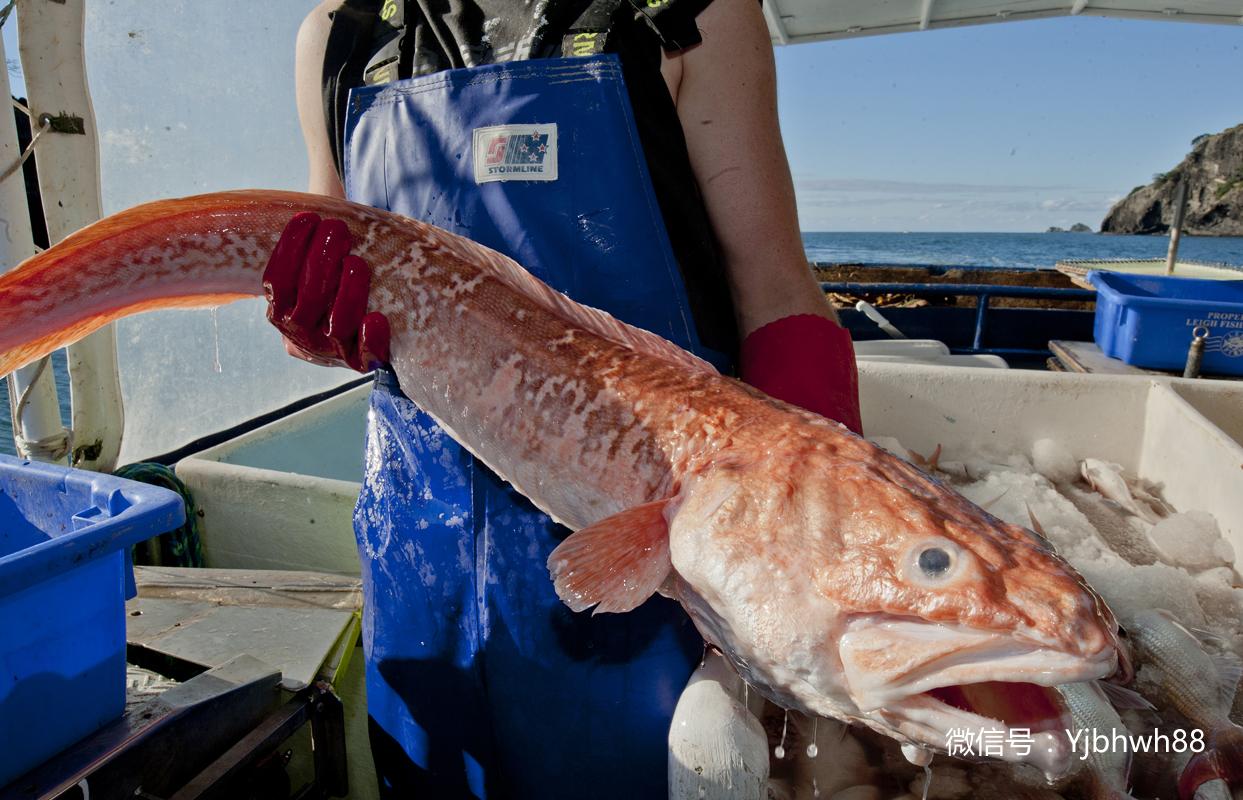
[{"x": 934, "y": 562}]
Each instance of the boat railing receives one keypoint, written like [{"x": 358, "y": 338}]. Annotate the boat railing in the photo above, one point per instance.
[{"x": 983, "y": 292}]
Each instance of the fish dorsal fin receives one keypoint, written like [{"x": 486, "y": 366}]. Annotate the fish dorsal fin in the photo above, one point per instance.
[
  {"x": 1229, "y": 671},
  {"x": 1206, "y": 636},
  {"x": 1122, "y": 698},
  {"x": 1036, "y": 526},
  {"x": 592, "y": 319},
  {"x": 615, "y": 564}
]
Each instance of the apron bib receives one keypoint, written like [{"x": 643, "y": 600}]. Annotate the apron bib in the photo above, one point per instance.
[{"x": 479, "y": 680}]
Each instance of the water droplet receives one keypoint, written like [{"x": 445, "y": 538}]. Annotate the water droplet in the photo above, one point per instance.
[
  {"x": 815, "y": 790},
  {"x": 215, "y": 329},
  {"x": 780, "y": 751},
  {"x": 927, "y": 780},
  {"x": 812, "y": 749}
]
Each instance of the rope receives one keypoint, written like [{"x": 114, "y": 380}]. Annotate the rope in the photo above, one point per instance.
[
  {"x": 180, "y": 547},
  {"x": 53, "y": 447},
  {"x": 45, "y": 122}
]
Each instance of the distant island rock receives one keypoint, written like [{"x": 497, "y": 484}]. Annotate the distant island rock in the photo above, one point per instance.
[
  {"x": 1078, "y": 227},
  {"x": 1214, "y": 171}
]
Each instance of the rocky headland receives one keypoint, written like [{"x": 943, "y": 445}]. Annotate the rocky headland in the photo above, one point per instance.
[{"x": 1214, "y": 172}]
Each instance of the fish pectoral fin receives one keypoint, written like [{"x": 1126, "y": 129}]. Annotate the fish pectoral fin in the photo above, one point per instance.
[
  {"x": 1122, "y": 698},
  {"x": 615, "y": 564}
]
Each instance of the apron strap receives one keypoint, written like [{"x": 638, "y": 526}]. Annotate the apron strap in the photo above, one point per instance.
[
  {"x": 345, "y": 61},
  {"x": 590, "y": 33},
  {"x": 673, "y": 21},
  {"x": 392, "y": 49}
]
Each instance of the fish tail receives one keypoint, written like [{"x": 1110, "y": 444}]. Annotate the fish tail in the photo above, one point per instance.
[
  {"x": 199, "y": 251},
  {"x": 1221, "y": 759}
]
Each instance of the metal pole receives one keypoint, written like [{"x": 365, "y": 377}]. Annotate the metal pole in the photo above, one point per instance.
[
  {"x": 52, "y": 57},
  {"x": 981, "y": 316},
  {"x": 37, "y": 430},
  {"x": 1176, "y": 227}
]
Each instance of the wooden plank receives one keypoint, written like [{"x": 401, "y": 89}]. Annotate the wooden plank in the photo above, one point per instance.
[
  {"x": 1077, "y": 269},
  {"x": 285, "y": 588},
  {"x": 1077, "y": 277},
  {"x": 1086, "y": 357},
  {"x": 302, "y": 643},
  {"x": 304, "y": 623}
]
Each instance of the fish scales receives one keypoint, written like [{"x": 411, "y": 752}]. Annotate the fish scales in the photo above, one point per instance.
[{"x": 838, "y": 580}]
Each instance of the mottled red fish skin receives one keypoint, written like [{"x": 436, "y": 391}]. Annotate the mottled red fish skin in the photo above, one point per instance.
[
  {"x": 879, "y": 506},
  {"x": 585, "y": 424}
]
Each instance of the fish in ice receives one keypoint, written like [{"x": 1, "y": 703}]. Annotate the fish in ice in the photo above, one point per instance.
[
  {"x": 839, "y": 580},
  {"x": 1198, "y": 685},
  {"x": 1104, "y": 773},
  {"x": 1131, "y": 495}
]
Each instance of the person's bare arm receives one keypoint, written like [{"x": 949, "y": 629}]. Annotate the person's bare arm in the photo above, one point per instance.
[
  {"x": 308, "y": 72},
  {"x": 725, "y": 90},
  {"x": 329, "y": 328}
]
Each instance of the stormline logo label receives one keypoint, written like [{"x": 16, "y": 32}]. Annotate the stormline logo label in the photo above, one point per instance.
[
  {"x": 1086, "y": 742},
  {"x": 515, "y": 153}
]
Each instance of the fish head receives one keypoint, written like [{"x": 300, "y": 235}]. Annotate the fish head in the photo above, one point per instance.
[{"x": 846, "y": 582}]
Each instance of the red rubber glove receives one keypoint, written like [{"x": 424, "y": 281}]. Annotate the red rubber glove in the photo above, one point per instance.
[
  {"x": 807, "y": 361},
  {"x": 317, "y": 297}
]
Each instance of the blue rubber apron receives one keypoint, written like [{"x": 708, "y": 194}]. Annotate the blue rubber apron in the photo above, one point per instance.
[{"x": 479, "y": 681}]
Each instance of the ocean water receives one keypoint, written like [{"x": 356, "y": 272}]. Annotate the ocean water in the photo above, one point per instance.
[{"x": 1025, "y": 250}]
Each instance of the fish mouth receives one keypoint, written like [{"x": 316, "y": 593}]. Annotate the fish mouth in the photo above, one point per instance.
[
  {"x": 1011, "y": 721},
  {"x": 973, "y": 693}
]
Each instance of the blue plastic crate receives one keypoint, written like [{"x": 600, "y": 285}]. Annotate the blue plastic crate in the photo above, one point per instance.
[
  {"x": 64, "y": 540},
  {"x": 1150, "y": 321}
]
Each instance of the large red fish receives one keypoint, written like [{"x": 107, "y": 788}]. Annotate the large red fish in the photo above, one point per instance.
[{"x": 839, "y": 580}]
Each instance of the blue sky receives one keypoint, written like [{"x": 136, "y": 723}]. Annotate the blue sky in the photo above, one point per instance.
[{"x": 1006, "y": 127}]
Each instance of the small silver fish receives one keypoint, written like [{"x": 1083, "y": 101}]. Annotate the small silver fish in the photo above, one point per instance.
[
  {"x": 1104, "y": 774},
  {"x": 1200, "y": 687},
  {"x": 1107, "y": 478},
  {"x": 1216, "y": 789}
]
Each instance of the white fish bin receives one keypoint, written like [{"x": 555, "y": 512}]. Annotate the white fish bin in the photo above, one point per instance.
[
  {"x": 282, "y": 496},
  {"x": 1137, "y": 481}
]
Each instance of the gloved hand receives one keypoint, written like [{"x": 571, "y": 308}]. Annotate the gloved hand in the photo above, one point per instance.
[
  {"x": 317, "y": 297},
  {"x": 808, "y": 361}
]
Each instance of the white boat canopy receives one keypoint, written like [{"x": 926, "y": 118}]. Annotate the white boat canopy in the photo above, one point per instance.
[{"x": 798, "y": 21}]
